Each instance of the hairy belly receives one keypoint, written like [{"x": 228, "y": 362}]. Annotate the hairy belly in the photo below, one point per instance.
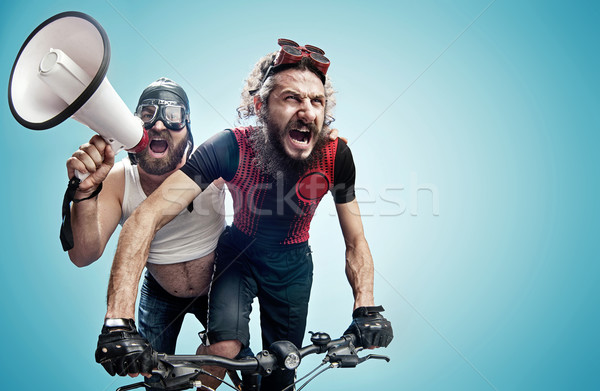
[{"x": 186, "y": 279}]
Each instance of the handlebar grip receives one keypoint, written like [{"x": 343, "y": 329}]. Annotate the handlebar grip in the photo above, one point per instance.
[{"x": 352, "y": 338}]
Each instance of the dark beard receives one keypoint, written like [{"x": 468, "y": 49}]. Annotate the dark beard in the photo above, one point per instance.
[
  {"x": 166, "y": 164},
  {"x": 271, "y": 157}
]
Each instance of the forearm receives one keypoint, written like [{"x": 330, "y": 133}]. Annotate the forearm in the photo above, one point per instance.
[
  {"x": 87, "y": 242},
  {"x": 359, "y": 271},
  {"x": 129, "y": 262}
]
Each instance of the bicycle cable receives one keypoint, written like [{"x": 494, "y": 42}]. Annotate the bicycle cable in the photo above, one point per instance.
[
  {"x": 303, "y": 377},
  {"x": 218, "y": 378},
  {"x": 317, "y": 374}
]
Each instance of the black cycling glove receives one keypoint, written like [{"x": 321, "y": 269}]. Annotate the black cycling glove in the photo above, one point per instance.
[
  {"x": 121, "y": 350},
  {"x": 370, "y": 328}
]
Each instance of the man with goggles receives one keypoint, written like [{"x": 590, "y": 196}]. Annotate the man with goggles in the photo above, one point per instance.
[
  {"x": 173, "y": 114},
  {"x": 180, "y": 260},
  {"x": 277, "y": 173}
]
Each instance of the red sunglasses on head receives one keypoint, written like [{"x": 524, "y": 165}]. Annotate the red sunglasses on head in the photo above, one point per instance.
[{"x": 292, "y": 53}]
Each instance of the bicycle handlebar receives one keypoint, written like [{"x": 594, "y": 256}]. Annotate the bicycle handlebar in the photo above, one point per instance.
[{"x": 180, "y": 372}]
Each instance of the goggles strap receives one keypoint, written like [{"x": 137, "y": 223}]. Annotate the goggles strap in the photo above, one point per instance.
[{"x": 273, "y": 69}]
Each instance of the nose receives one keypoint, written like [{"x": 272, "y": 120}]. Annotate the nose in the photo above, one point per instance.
[
  {"x": 159, "y": 126},
  {"x": 307, "y": 111}
]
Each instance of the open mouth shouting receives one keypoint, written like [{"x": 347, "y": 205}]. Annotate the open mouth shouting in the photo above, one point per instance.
[
  {"x": 298, "y": 139},
  {"x": 158, "y": 147},
  {"x": 300, "y": 136}
]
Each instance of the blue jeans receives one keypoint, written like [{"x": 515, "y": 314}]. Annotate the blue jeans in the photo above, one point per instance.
[{"x": 160, "y": 314}]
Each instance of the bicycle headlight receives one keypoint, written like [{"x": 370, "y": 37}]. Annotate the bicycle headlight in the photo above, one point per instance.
[
  {"x": 292, "y": 360},
  {"x": 287, "y": 354}
]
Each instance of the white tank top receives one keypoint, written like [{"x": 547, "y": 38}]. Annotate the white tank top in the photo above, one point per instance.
[{"x": 188, "y": 236}]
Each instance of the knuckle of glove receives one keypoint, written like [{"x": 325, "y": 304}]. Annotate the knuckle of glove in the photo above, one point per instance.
[
  {"x": 367, "y": 339},
  {"x": 124, "y": 366},
  {"x": 105, "y": 352},
  {"x": 146, "y": 363},
  {"x": 375, "y": 331},
  {"x": 138, "y": 362},
  {"x": 370, "y": 327},
  {"x": 100, "y": 356},
  {"x": 109, "y": 367}
]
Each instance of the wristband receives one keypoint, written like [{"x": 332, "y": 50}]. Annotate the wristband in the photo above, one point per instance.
[
  {"x": 364, "y": 311},
  {"x": 66, "y": 233},
  {"x": 117, "y": 322},
  {"x": 94, "y": 194}
]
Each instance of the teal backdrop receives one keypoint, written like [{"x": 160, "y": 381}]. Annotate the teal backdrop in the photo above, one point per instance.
[{"x": 474, "y": 127}]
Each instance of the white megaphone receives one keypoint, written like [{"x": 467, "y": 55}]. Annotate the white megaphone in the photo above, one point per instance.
[{"x": 60, "y": 73}]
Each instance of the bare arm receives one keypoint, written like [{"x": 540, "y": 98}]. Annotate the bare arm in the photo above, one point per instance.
[
  {"x": 359, "y": 263},
  {"x": 93, "y": 221},
  {"x": 175, "y": 193}
]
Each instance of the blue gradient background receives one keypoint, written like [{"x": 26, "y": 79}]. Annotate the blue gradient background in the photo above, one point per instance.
[{"x": 474, "y": 126}]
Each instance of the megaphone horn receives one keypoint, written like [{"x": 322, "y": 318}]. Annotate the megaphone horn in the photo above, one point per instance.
[{"x": 60, "y": 73}]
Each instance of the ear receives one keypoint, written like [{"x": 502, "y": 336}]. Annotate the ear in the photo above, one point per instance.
[{"x": 257, "y": 104}]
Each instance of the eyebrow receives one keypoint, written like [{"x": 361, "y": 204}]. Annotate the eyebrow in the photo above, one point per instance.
[{"x": 295, "y": 92}]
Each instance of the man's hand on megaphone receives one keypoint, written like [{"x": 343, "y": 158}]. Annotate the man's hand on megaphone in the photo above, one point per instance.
[{"x": 96, "y": 158}]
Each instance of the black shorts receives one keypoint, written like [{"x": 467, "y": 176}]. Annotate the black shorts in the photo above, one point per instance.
[{"x": 280, "y": 279}]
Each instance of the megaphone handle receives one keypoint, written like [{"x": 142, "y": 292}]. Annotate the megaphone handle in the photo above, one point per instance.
[{"x": 81, "y": 175}]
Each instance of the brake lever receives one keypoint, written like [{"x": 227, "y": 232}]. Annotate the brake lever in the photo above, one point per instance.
[
  {"x": 375, "y": 357},
  {"x": 352, "y": 360},
  {"x": 131, "y": 386}
]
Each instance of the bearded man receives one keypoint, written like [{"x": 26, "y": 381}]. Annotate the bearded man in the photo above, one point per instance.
[
  {"x": 277, "y": 173},
  {"x": 180, "y": 259}
]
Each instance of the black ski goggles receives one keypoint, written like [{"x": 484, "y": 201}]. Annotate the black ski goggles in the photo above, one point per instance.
[{"x": 171, "y": 113}]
